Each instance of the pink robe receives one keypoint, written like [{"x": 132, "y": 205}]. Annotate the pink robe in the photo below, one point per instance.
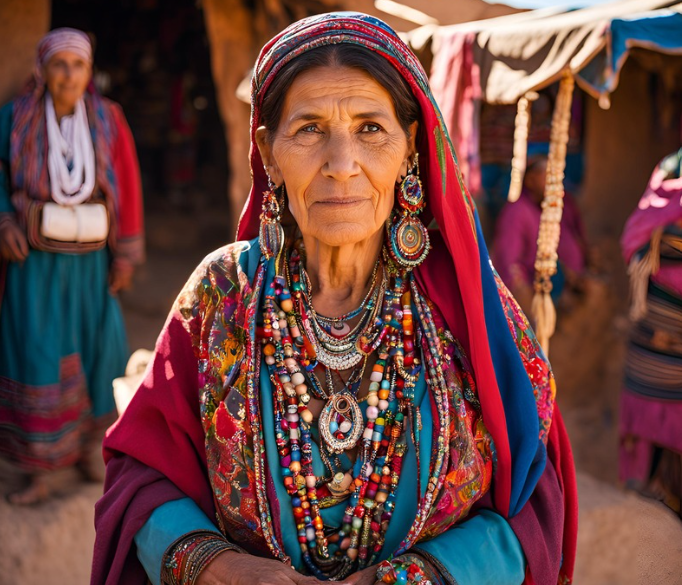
[{"x": 516, "y": 237}]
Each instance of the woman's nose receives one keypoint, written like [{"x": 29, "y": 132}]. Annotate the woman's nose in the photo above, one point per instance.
[{"x": 341, "y": 157}]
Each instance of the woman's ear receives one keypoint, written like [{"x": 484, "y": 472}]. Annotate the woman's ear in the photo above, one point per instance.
[
  {"x": 411, "y": 150},
  {"x": 412, "y": 139},
  {"x": 264, "y": 144}
]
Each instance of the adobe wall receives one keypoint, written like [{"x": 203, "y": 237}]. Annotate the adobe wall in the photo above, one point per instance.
[{"x": 22, "y": 24}]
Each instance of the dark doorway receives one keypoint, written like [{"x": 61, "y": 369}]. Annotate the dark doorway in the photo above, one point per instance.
[{"x": 153, "y": 58}]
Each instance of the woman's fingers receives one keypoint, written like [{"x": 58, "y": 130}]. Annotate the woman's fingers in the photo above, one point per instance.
[
  {"x": 23, "y": 244},
  {"x": 230, "y": 568},
  {"x": 14, "y": 246},
  {"x": 364, "y": 577}
]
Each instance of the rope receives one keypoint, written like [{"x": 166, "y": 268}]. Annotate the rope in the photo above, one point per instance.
[
  {"x": 521, "y": 126},
  {"x": 543, "y": 310}
]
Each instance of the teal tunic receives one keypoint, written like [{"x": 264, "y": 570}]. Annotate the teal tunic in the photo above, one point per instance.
[{"x": 62, "y": 342}]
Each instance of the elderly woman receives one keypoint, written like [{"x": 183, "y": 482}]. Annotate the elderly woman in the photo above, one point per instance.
[
  {"x": 70, "y": 235},
  {"x": 342, "y": 395}
]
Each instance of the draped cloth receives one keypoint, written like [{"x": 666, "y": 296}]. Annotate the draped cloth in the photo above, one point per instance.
[
  {"x": 116, "y": 166},
  {"x": 534, "y": 483}
]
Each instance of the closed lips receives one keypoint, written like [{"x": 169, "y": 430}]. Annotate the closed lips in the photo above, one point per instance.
[{"x": 341, "y": 201}]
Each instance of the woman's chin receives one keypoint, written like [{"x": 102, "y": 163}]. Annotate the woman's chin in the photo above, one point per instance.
[{"x": 343, "y": 233}]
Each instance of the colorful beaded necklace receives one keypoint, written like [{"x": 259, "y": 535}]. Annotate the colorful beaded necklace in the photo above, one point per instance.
[{"x": 291, "y": 353}]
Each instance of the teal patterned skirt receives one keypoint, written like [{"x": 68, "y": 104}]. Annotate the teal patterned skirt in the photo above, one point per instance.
[{"x": 62, "y": 342}]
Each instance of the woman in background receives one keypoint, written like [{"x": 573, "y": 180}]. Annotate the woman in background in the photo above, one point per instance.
[
  {"x": 651, "y": 403},
  {"x": 71, "y": 234}
]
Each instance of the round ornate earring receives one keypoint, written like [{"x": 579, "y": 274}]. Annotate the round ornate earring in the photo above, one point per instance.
[
  {"x": 270, "y": 232},
  {"x": 407, "y": 238}
]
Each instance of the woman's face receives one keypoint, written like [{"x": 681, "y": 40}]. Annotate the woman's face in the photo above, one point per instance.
[
  {"x": 66, "y": 76},
  {"x": 339, "y": 149}
]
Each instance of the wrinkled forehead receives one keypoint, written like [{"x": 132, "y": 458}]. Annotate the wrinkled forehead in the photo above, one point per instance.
[{"x": 67, "y": 56}]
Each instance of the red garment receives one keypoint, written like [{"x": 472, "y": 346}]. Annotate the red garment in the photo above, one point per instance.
[{"x": 130, "y": 216}]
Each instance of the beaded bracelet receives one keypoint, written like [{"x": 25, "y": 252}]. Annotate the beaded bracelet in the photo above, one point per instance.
[
  {"x": 189, "y": 555},
  {"x": 405, "y": 570}
]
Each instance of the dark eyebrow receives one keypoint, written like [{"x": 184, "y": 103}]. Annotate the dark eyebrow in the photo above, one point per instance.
[
  {"x": 370, "y": 115},
  {"x": 311, "y": 117},
  {"x": 304, "y": 117}
]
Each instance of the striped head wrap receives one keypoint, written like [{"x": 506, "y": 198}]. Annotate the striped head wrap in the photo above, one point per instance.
[{"x": 62, "y": 39}]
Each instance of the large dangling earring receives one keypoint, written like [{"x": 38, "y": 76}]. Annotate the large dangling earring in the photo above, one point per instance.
[
  {"x": 270, "y": 233},
  {"x": 407, "y": 238}
]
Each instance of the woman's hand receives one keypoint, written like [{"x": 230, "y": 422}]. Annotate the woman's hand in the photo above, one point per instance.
[
  {"x": 120, "y": 275},
  {"x": 233, "y": 568},
  {"x": 366, "y": 577},
  {"x": 13, "y": 242}
]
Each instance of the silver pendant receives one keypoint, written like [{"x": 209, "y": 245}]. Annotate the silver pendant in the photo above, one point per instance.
[{"x": 341, "y": 407}]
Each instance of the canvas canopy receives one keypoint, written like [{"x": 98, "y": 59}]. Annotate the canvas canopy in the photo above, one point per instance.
[{"x": 528, "y": 51}]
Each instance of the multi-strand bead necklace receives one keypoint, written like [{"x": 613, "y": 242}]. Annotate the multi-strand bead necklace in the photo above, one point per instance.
[{"x": 293, "y": 348}]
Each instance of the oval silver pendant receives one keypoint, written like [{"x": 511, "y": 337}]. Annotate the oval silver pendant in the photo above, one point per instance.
[{"x": 344, "y": 404}]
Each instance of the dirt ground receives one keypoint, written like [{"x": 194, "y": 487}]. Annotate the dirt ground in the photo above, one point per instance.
[{"x": 623, "y": 539}]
